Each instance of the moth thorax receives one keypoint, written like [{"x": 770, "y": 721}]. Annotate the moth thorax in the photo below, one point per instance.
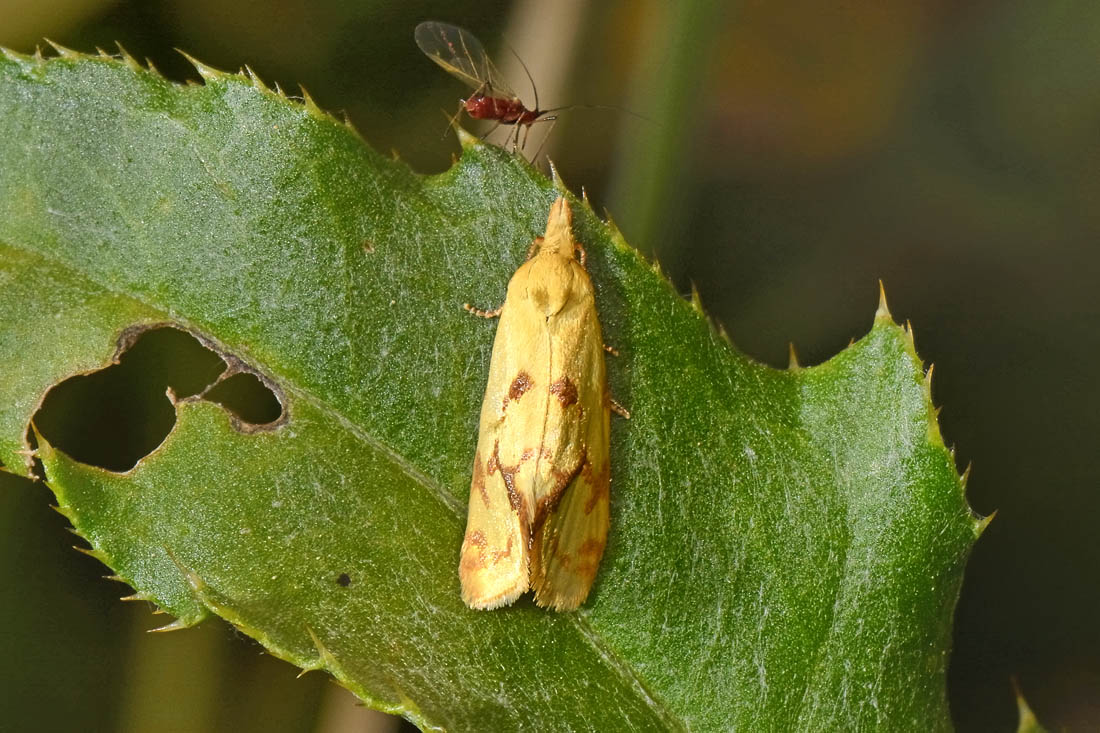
[{"x": 550, "y": 284}]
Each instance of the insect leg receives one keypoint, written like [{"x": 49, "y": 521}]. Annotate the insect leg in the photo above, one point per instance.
[
  {"x": 480, "y": 313},
  {"x": 491, "y": 131},
  {"x": 583, "y": 256},
  {"x": 452, "y": 121},
  {"x": 545, "y": 137},
  {"x": 620, "y": 410},
  {"x": 534, "y": 246}
]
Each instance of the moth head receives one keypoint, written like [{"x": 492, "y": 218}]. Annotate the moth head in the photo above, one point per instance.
[{"x": 559, "y": 231}]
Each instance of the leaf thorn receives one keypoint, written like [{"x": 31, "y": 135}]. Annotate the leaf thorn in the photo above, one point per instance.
[
  {"x": 176, "y": 625},
  {"x": 208, "y": 73},
  {"x": 61, "y": 50},
  {"x": 696, "y": 300},
  {"x": 883, "y": 310}
]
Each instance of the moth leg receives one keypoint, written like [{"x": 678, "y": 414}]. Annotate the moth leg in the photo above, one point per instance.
[
  {"x": 619, "y": 410},
  {"x": 480, "y": 313},
  {"x": 534, "y": 247},
  {"x": 583, "y": 256},
  {"x": 611, "y": 350}
]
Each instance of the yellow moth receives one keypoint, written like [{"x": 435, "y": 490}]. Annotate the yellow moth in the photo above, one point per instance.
[{"x": 538, "y": 511}]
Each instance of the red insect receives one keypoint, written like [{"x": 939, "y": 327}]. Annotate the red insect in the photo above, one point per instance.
[{"x": 463, "y": 56}]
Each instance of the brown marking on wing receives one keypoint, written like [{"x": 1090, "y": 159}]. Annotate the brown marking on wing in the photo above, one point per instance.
[
  {"x": 508, "y": 473},
  {"x": 499, "y": 555},
  {"x": 473, "y": 561},
  {"x": 586, "y": 561},
  {"x": 588, "y": 557},
  {"x": 600, "y": 483},
  {"x": 476, "y": 555},
  {"x": 521, "y": 384},
  {"x": 547, "y": 504},
  {"x": 479, "y": 479},
  {"x": 566, "y": 392}
]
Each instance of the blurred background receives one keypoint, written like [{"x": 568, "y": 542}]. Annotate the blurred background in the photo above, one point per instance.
[{"x": 791, "y": 155}]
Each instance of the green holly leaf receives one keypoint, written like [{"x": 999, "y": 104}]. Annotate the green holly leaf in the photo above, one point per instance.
[{"x": 786, "y": 546}]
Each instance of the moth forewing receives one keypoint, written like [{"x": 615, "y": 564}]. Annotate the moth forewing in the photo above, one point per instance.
[
  {"x": 538, "y": 512},
  {"x": 571, "y": 522}
]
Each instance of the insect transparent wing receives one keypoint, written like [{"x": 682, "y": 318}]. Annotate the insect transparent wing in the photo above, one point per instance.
[{"x": 462, "y": 56}]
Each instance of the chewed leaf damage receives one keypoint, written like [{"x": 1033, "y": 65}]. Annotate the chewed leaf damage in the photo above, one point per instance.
[{"x": 115, "y": 416}]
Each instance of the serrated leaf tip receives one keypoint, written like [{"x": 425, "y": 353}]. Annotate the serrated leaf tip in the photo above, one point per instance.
[
  {"x": 555, "y": 176},
  {"x": 257, "y": 82},
  {"x": 792, "y": 357},
  {"x": 206, "y": 72},
  {"x": 724, "y": 334},
  {"x": 696, "y": 299},
  {"x": 130, "y": 61},
  {"x": 62, "y": 51},
  {"x": 1026, "y": 721},
  {"x": 883, "y": 310},
  {"x": 324, "y": 656},
  {"x": 465, "y": 139},
  {"x": 311, "y": 106},
  {"x": 984, "y": 522}
]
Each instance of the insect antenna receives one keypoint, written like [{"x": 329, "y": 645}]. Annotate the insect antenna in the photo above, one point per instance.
[
  {"x": 612, "y": 107},
  {"x": 530, "y": 78}
]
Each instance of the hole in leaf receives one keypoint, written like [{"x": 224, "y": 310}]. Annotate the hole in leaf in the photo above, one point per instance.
[
  {"x": 115, "y": 416},
  {"x": 247, "y": 397}
]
